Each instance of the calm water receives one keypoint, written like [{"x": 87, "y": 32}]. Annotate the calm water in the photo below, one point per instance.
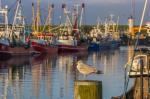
[{"x": 52, "y": 77}]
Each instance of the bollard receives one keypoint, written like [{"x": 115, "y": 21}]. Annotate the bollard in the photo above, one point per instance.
[{"x": 87, "y": 89}]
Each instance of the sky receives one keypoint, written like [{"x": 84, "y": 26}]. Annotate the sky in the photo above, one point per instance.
[{"x": 93, "y": 9}]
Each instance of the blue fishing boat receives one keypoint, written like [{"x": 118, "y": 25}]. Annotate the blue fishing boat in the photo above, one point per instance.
[
  {"x": 98, "y": 46},
  {"x": 107, "y": 39}
]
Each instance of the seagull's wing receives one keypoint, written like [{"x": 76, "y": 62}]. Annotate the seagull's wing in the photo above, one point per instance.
[{"x": 88, "y": 68}]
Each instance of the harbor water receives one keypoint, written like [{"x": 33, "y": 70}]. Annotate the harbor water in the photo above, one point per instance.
[{"x": 54, "y": 76}]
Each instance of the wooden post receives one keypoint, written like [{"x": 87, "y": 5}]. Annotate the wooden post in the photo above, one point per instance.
[
  {"x": 87, "y": 89},
  {"x": 141, "y": 78}
]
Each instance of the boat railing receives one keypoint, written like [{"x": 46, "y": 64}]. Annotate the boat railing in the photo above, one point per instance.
[{"x": 142, "y": 58}]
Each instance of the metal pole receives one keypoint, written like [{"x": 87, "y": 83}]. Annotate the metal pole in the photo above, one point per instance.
[
  {"x": 141, "y": 78},
  {"x": 142, "y": 18}
]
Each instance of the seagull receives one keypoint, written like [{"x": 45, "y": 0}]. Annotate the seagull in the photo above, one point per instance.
[{"x": 87, "y": 69}]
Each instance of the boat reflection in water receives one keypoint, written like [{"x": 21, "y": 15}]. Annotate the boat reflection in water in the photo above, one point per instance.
[
  {"x": 87, "y": 89},
  {"x": 22, "y": 77},
  {"x": 54, "y": 76}
]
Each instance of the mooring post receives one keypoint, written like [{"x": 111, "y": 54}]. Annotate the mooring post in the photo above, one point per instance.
[
  {"x": 87, "y": 89},
  {"x": 141, "y": 77}
]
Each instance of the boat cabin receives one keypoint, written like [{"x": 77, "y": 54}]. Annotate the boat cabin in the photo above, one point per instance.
[
  {"x": 49, "y": 38},
  {"x": 140, "y": 64}
]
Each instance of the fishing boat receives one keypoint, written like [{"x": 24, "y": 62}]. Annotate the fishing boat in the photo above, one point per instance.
[
  {"x": 4, "y": 46},
  {"x": 104, "y": 38},
  {"x": 12, "y": 41},
  {"x": 42, "y": 46},
  {"x": 103, "y": 43},
  {"x": 4, "y": 42},
  {"x": 140, "y": 64},
  {"x": 70, "y": 45},
  {"x": 138, "y": 67},
  {"x": 6, "y": 49},
  {"x": 97, "y": 39},
  {"x": 69, "y": 38},
  {"x": 43, "y": 42},
  {"x": 111, "y": 32}
]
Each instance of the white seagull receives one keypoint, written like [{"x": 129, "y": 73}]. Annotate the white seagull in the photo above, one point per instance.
[{"x": 87, "y": 69}]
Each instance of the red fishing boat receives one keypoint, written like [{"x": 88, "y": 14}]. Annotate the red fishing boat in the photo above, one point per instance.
[
  {"x": 44, "y": 42},
  {"x": 7, "y": 49},
  {"x": 44, "y": 46},
  {"x": 13, "y": 42},
  {"x": 4, "y": 45},
  {"x": 65, "y": 48},
  {"x": 69, "y": 41}
]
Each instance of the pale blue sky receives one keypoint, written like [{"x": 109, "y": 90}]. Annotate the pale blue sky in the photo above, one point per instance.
[{"x": 93, "y": 9}]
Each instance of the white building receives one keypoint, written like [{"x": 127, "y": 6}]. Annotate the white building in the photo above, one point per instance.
[{"x": 148, "y": 28}]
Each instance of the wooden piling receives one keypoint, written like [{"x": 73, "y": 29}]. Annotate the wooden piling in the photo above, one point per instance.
[{"x": 88, "y": 89}]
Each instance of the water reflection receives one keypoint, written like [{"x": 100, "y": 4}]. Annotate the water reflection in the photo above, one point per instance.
[
  {"x": 26, "y": 77},
  {"x": 53, "y": 77}
]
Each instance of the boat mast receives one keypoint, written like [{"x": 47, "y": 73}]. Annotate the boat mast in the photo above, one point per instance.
[
  {"x": 98, "y": 23},
  {"x": 133, "y": 9},
  {"x": 18, "y": 21},
  {"x": 76, "y": 14},
  {"x": 4, "y": 13},
  {"x": 49, "y": 17},
  {"x": 81, "y": 18},
  {"x": 68, "y": 23},
  {"x": 33, "y": 18},
  {"x": 117, "y": 24},
  {"x": 111, "y": 24},
  {"x": 143, "y": 14},
  {"x": 77, "y": 20},
  {"x": 17, "y": 12},
  {"x": 38, "y": 16},
  {"x": 106, "y": 26}
]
